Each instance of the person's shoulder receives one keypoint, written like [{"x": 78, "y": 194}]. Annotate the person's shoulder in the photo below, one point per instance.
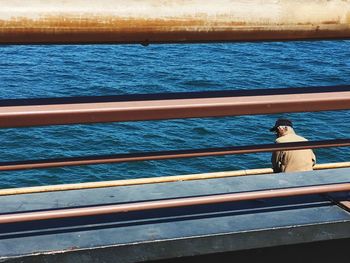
[
  {"x": 290, "y": 138},
  {"x": 281, "y": 139},
  {"x": 300, "y": 138}
]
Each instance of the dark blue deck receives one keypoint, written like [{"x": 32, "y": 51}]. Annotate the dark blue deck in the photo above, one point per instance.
[{"x": 176, "y": 232}]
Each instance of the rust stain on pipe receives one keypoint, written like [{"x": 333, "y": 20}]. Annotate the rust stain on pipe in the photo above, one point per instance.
[
  {"x": 153, "y": 31},
  {"x": 157, "y": 21},
  {"x": 169, "y": 203},
  {"x": 165, "y": 155}
]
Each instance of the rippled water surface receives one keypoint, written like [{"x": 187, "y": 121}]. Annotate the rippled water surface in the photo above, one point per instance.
[{"x": 96, "y": 70}]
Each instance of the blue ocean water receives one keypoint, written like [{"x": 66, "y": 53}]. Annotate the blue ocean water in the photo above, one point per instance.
[{"x": 98, "y": 70}]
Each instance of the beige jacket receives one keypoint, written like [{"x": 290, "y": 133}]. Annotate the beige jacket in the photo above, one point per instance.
[{"x": 295, "y": 160}]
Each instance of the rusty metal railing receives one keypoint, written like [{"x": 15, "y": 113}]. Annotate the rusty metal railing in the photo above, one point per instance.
[
  {"x": 32, "y": 112},
  {"x": 120, "y": 22},
  {"x": 165, "y": 155},
  {"x": 169, "y": 203},
  {"x": 36, "y": 112}
]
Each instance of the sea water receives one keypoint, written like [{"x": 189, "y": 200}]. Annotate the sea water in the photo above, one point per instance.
[{"x": 41, "y": 71}]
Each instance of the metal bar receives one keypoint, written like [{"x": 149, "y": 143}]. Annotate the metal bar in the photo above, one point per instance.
[
  {"x": 345, "y": 204},
  {"x": 341, "y": 201},
  {"x": 165, "y": 155},
  {"x": 195, "y": 105},
  {"x": 160, "y": 21},
  {"x": 169, "y": 203},
  {"x": 153, "y": 180}
]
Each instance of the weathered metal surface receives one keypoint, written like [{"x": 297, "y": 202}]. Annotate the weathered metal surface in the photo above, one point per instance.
[
  {"x": 170, "y": 233},
  {"x": 164, "y": 21},
  {"x": 165, "y": 155},
  {"x": 170, "y": 106}
]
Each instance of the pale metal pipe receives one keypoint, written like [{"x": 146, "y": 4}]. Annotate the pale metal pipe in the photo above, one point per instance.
[
  {"x": 175, "y": 21},
  {"x": 161, "y": 179}
]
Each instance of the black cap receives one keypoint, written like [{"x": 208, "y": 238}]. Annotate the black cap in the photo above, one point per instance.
[{"x": 281, "y": 122}]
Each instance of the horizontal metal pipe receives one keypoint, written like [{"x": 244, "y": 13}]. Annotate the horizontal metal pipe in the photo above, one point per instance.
[
  {"x": 176, "y": 21},
  {"x": 207, "y": 104},
  {"x": 169, "y": 203},
  {"x": 153, "y": 180},
  {"x": 164, "y": 155}
]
